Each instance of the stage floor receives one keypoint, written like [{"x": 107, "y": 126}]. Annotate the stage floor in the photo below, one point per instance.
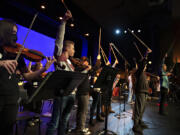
[{"x": 158, "y": 125}]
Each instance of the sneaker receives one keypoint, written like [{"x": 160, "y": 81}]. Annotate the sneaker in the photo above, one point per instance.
[
  {"x": 103, "y": 114},
  {"x": 142, "y": 124},
  {"x": 99, "y": 118},
  {"x": 137, "y": 129},
  {"x": 31, "y": 123},
  {"x": 84, "y": 131},
  {"x": 163, "y": 113},
  {"x": 91, "y": 122},
  {"x": 131, "y": 103},
  {"x": 111, "y": 111}
]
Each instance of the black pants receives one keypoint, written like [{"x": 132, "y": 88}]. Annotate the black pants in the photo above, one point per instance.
[
  {"x": 8, "y": 113},
  {"x": 95, "y": 104},
  {"x": 164, "y": 93}
]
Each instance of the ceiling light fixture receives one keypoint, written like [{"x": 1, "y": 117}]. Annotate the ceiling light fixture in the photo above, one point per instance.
[
  {"x": 43, "y": 7},
  {"x": 60, "y": 18},
  {"x": 87, "y": 34},
  {"x": 72, "y": 25},
  {"x": 139, "y": 30},
  {"x": 118, "y": 31}
]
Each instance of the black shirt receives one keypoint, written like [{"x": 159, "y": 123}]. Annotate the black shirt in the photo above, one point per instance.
[{"x": 9, "y": 83}]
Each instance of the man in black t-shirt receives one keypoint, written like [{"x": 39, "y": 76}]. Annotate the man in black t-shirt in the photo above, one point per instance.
[{"x": 9, "y": 90}]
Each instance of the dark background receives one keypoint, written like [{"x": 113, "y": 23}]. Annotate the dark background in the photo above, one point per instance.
[{"x": 153, "y": 17}]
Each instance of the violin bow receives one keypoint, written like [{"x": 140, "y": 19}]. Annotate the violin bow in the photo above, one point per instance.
[
  {"x": 99, "y": 40},
  {"x": 90, "y": 60},
  {"x": 30, "y": 27},
  {"x": 29, "y": 65},
  {"x": 104, "y": 55},
  {"x": 172, "y": 68},
  {"x": 170, "y": 48},
  {"x": 64, "y": 5},
  {"x": 119, "y": 53},
  {"x": 139, "y": 39},
  {"x": 138, "y": 49},
  {"x": 113, "y": 51}
]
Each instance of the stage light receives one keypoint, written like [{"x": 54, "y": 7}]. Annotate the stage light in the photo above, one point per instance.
[
  {"x": 43, "y": 7},
  {"x": 117, "y": 31},
  {"x": 125, "y": 31},
  {"x": 139, "y": 30},
  {"x": 150, "y": 62},
  {"x": 60, "y": 18},
  {"x": 87, "y": 34},
  {"x": 132, "y": 31},
  {"x": 72, "y": 25}
]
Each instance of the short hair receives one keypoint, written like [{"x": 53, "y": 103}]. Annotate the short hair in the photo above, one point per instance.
[
  {"x": 67, "y": 43},
  {"x": 6, "y": 29}
]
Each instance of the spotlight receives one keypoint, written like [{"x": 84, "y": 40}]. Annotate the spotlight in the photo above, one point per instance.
[
  {"x": 60, "y": 18},
  {"x": 150, "y": 62},
  {"x": 132, "y": 31},
  {"x": 87, "y": 34},
  {"x": 117, "y": 31},
  {"x": 72, "y": 25},
  {"x": 43, "y": 7},
  {"x": 139, "y": 30},
  {"x": 125, "y": 31}
]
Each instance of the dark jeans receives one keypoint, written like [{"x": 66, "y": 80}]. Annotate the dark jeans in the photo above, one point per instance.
[
  {"x": 95, "y": 104},
  {"x": 83, "y": 102},
  {"x": 139, "y": 109},
  {"x": 61, "y": 112},
  {"x": 8, "y": 113},
  {"x": 163, "y": 99}
]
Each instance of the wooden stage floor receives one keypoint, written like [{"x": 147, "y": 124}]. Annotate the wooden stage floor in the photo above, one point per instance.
[{"x": 158, "y": 125}]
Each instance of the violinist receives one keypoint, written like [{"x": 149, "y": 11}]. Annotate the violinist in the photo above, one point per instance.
[
  {"x": 95, "y": 93},
  {"x": 63, "y": 104},
  {"x": 141, "y": 91},
  {"x": 164, "y": 83},
  {"x": 104, "y": 98},
  {"x": 31, "y": 86},
  {"x": 82, "y": 96},
  {"x": 9, "y": 92},
  {"x": 38, "y": 66}
]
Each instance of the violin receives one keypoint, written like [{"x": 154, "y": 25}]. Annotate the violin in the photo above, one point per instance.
[
  {"x": 78, "y": 63},
  {"x": 30, "y": 54}
]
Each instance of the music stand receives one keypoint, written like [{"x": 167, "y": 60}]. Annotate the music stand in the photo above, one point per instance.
[
  {"x": 105, "y": 82},
  {"x": 55, "y": 81}
]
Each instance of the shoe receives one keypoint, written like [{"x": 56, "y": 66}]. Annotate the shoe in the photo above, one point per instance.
[
  {"x": 111, "y": 111},
  {"x": 137, "y": 129},
  {"x": 143, "y": 125},
  {"x": 130, "y": 103},
  {"x": 103, "y": 114},
  {"x": 163, "y": 113},
  {"x": 99, "y": 118},
  {"x": 31, "y": 123},
  {"x": 84, "y": 131},
  {"x": 91, "y": 123}
]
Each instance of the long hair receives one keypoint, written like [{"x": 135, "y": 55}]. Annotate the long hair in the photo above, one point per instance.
[{"x": 6, "y": 29}]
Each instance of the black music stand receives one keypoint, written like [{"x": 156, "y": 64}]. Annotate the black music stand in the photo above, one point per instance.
[
  {"x": 56, "y": 81},
  {"x": 105, "y": 82}
]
